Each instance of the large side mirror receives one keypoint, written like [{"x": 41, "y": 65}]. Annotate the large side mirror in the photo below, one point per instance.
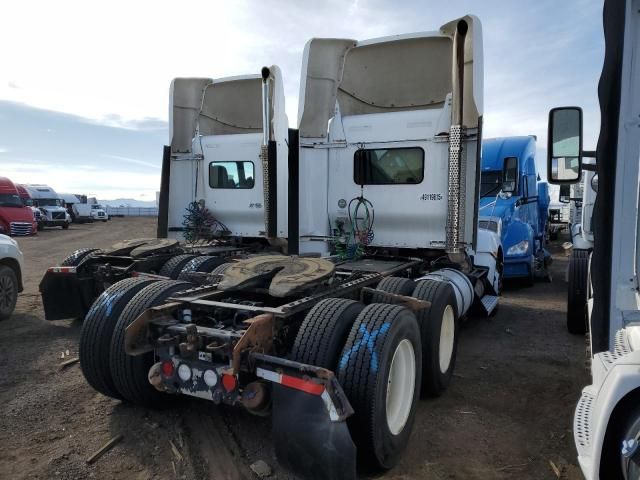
[
  {"x": 565, "y": 193},
  {"x": 564, "y": 148},
  {"x": 510, "y": 175}
]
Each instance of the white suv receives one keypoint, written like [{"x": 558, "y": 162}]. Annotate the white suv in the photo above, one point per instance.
[{"x": 11, "y": 265}]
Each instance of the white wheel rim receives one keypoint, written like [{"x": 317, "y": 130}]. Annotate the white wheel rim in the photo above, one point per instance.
[
  {"x": 447, "y": 337},
  {"x": 400, "y": 386}
]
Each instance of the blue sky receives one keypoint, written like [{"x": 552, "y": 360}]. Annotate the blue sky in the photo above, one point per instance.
[{"x": 84, "y": 88}]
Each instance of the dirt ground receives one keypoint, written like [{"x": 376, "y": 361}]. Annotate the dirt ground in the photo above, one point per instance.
[{"x": 507, "y": 414}]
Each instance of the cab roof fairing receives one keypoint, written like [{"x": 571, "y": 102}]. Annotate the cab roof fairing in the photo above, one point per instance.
[
  {"x": 193, "y": 108},
  {"x": 495, "y": 150},
  {"x": 327, "y": 67}
]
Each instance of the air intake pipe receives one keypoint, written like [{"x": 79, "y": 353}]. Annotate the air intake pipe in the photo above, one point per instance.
[
  {"x": 268, "y": 153},
  {"x": 457, "y": 166}
]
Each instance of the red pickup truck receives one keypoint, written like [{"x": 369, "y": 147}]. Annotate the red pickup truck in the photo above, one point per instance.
[{"x": 15, "y": 218}]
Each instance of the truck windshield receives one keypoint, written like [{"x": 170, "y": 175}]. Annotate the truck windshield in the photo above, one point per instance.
[
  {"x": 49, "y": 202},
  {"x": 490, "y": 183},
  {"x": 10, "y": 200}
]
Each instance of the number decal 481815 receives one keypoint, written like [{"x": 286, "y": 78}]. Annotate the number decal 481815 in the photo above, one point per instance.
[{"x": 431, "y": 197}]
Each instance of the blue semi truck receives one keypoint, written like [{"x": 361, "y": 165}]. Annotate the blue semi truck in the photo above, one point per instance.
[{"x": 515, "y": 203}]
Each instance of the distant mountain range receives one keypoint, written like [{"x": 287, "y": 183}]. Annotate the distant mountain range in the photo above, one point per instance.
[{"x": 128, "y": 202}]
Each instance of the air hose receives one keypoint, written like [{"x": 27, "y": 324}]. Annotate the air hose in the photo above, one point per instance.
[{"x": 361, "y": 231}]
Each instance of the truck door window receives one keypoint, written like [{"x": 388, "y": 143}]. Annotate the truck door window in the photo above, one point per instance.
[
  {"x": 490, "y": 183},
  {"x": 510, "y": 183},
  {"x": 232, "y": 175},
  {"x": 389, "y": 166}
]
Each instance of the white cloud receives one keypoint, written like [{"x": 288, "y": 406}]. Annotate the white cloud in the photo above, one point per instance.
[{"x": 112, "y": 62}]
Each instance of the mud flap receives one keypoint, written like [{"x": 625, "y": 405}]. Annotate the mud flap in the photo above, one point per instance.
[
  {"x": 307, "y": 441},
  {"x": 65, "y": 295}
]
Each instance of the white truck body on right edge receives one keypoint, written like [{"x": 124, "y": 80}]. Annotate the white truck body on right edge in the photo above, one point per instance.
[{"x": 606, "y": 425}]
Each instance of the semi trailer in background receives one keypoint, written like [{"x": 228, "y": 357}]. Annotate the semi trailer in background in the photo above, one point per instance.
[
  {"x": 606, "y": 425},
  {"x": 317, "y": 274},
  {"x": 512, "y": 197},
  {"x": 16, "y": 219}
]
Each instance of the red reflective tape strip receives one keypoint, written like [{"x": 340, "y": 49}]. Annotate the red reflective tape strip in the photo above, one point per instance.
[{"x": 303, "y": 385}]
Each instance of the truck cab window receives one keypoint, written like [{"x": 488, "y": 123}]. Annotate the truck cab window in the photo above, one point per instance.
[
  {"x": 389, "y": 166},
  {"x": 10, "y": 200},
  {"x": 234, "y": 175}
]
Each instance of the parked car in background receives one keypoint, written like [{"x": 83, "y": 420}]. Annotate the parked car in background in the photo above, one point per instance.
[
  {"x": 51, "y": 206},
  {"x": 11, "y": 265},
  {"x": 15, "y": 218}
]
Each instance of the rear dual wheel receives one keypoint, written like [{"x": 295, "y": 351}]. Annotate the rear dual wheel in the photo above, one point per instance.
[
  {"x": 202, "y": 264},
  {"x": 78, "y": 257},
  {"x": 375, "y": 352},
  {"x": 97, "y": 331},
  {"x": 439, "y": 334},
  {"x": 380, "y": 371},
  {"x": 130, "y": 373}
]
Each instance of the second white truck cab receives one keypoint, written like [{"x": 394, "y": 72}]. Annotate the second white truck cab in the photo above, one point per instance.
[{"x": 51, "y": 206}]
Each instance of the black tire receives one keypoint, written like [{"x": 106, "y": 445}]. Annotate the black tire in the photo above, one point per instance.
[
  {"x": 577, "y": 292},
  {"x": 434, "y": 380},
  {"x": 130, "y": 373},
  {"x": 324, "y": 331},
  {"x": 40, "y": 227},
  {"x": 78, "y": 257},
  {"x": 395, "y": 285},
  {"x": 65, "y": 226},
  {"x": 97, "y": 330},
  {"x": 220, "y": 269},
  {"x": 201, "y": 264},
  {"x": 8, "y": 291},
  {"x": 364, "y": 376},
  {"x": 623, "y": 425},
  {"x": 173, "y": 266}
]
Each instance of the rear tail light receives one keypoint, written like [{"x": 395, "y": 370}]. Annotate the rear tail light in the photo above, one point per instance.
[
  {"x": 168, "y": 368},
  {"x": 229, "y": 382}
]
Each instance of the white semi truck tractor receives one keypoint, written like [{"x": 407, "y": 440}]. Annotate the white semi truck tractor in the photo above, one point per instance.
[
  {"x": 51, "y": 206},
  {"x": 606, "y": 425},
  {"x": 339, "y": 260}
]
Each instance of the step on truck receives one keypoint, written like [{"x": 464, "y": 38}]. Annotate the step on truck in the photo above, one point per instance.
[
  {"x": 606, "y": 426},
  {"x": 512, "y": 198},
  {"x": 348, "y": 255}
]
